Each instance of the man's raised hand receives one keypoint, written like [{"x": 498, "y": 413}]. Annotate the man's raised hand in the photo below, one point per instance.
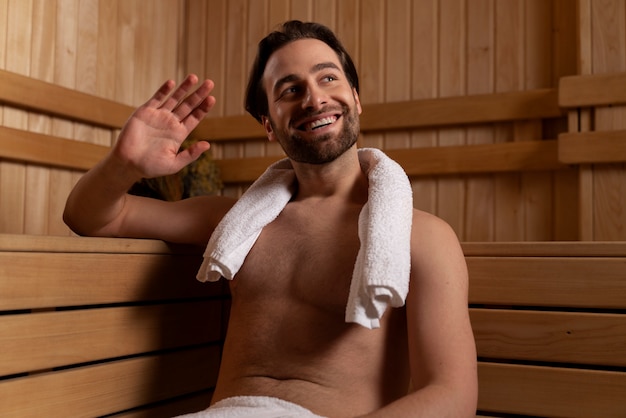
[{"x": 150, "y": 141}]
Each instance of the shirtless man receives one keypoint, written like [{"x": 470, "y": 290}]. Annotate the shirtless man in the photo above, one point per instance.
[{"x": 287, "y": 337}]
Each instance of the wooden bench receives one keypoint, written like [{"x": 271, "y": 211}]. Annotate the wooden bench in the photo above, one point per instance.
[
  {"x": 550, "y": 326},
  {"x": 93, "y": 327}
]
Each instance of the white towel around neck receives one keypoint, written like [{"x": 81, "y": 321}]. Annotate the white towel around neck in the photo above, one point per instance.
[{"x": 381, "y": 273}]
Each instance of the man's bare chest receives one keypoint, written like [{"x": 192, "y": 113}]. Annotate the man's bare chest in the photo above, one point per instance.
[{"x": 302, "y": 258}]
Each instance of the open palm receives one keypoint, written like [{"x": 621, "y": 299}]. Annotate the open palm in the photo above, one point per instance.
[{"x": 150, "y": 140}]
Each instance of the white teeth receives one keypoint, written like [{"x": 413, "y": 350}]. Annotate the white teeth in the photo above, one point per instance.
[{"x": 321, "y": 122}]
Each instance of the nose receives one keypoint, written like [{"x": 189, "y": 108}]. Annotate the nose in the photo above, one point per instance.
[{"x": 314, "y": 98}]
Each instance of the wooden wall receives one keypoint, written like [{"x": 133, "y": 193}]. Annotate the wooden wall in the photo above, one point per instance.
[
  {"x": 603, "y": 187},
  {"x": 117, "y": 49},
  {"x": 407, "y": 50},
  {"x": 404, "y": 50}
]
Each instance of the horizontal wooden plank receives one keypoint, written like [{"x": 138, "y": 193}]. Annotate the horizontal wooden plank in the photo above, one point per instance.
[
  {"x": 32, "y": 94},
  {"x": 30, "y": 280},
  {"x": 484, "y": 158},
  {"x": 565, "y": 337},
  {"x": 592, "y": 147},
  {"x": 229, "y": 128},
  {"x": 574, "y": 282},
  {"x": 462, "y": 110},
  {"x": 243, "y": 170},
  {"x": 551, "y": 391},
  {"x": 86, "y": 335},
  {"x": 546, "y": 249},
  {"x": 48, "y": 150},
  {"x": 592, "y": 90},
  {"x": 110, "y": 387},
  {"x": 467, "y": 159},
  {"x": 29, "y": 93},
  {"x": 74, "y": 244}
]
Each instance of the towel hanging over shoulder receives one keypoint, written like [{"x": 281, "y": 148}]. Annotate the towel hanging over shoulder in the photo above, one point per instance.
[{"x": 381, "y": 273}]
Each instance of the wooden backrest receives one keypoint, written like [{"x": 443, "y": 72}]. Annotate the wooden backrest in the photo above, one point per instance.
[
  {"x": 41, "y": 97},
  {"x": 550, "y": 326},
  {"x": 586, "y": 144},
  {"x": 91, "y": 327}
]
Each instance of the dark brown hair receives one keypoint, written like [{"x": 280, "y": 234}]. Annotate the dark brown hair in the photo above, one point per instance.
[{"x": 256, "y": 97}]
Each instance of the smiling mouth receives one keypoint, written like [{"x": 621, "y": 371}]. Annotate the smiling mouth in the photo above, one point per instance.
[{"x": 319, "y": 123}]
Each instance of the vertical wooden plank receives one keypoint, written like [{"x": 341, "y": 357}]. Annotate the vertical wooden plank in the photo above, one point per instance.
[
  {"x": 279, "y": 11},
  {"x": 424, "y": 81},
  {"x": 125, "y": 49},
  {"x": 215, "y": 23},
  {"x": 325, "y": 12},
  {"x": 4, "y": 10},
  {"x": 397, "y": 60},
  {"x": 196, "y": 38},
  {"x": 480, "y": 210},
  {"x": 509, "y": 215},
  {"x": 302, "y": 10},
  {"x": 143, "y": 47},
  {"x": 451, "y": 189},
  {"x": 348, "y": 26},
  {"x": 84, "y": 37},
  {"x": 583, "y": 119},
  {"x": 257, "y": 29},
  {"x": 371, "y": 65},
  {"x": 567, "y": 183},
  {"x": 236, "y": 57},
  {"x": 216, "y": 52},
  {"x": 13, "y": 175},
  {"x": 36, "y": 208},
  {"x": 609, "y": 55},
  {"x": 107, "y": 49},
  {"x": 65, "y": 62},
  {"x": 538, "y": 51},
  {"x": 237, "y": 75}
]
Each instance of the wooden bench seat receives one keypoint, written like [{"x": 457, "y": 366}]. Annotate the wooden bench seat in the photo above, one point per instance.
[
  {"x": 93, "y": 327},
  {"x": 550, "y": 326}
]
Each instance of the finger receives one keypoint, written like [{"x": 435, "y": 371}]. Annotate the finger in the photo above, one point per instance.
[
  {"x": 192, "y": 153},
  {"x": 193, "y": 119},
  {"x": 160, "y": 95},
  {"x": 193, "y": 100},
  {"x": 183, "y": 89}
]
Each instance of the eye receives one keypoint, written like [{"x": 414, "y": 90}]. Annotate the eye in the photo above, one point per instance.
[
  {"x": 289, "y": 91},
  {"x": 329, "y": 78}
]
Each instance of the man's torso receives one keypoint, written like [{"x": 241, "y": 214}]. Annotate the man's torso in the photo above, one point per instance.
[{"x": 287, "y": 334}]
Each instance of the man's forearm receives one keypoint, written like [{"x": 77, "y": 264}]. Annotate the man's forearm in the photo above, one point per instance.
[
  {"x": 430, "y": 402},
  {"x": 98, "y": 199}
]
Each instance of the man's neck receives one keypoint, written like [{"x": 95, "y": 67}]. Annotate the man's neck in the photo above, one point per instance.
[{"x": 341, "y": 178}]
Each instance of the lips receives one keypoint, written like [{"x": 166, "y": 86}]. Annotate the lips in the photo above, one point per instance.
[{"x": 313, "y": 124}]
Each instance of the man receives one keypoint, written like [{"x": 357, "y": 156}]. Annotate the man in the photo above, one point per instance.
[{"x": 287, "y": 339}]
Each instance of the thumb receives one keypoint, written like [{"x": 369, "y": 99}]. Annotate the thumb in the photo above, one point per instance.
[{"x": 192, "y": 153}]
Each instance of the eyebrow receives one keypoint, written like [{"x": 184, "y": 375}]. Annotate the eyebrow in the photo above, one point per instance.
[{"x": 292, "y": 77}]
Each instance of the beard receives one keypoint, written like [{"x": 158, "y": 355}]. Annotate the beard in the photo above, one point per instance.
[{"x": 323, "y": 148}]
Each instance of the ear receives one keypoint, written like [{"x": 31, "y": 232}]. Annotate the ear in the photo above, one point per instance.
[
  {"x": 357, "y": 100},
  {"x": 269, "y": 131}
]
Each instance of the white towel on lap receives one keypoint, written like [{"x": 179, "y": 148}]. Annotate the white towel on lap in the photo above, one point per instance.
[
  {"x": 253, "y": 406},
  {"x": 382, "y": 269}
]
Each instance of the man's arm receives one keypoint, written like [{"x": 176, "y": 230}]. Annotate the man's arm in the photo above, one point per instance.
[
  {"x": 441, "y": 343},
  {"x": 148, "y": 146}
]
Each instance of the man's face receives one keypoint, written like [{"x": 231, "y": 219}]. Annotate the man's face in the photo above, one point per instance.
[{"x": 313, "y": 111}]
